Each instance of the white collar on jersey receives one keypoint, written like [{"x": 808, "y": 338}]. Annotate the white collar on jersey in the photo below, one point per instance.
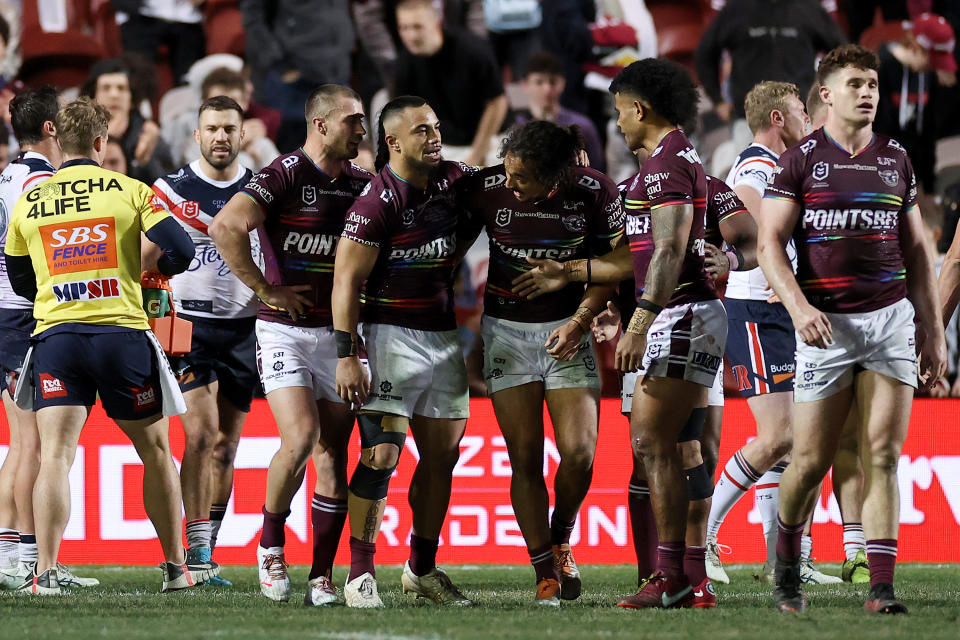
[{"x": 195, "y": 167}]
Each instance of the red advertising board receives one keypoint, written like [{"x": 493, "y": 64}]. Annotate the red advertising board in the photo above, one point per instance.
[{"x": 108, "y": 520}]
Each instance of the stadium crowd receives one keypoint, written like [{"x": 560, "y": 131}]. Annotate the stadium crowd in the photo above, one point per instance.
[{"x": 371, "y": 210}]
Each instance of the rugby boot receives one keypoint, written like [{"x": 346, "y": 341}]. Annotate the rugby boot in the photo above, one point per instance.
[
  {"x": 435, "y": 586},
  {"x": 704, "y": 597},
  {"x": 715, "y": 570},
  {"x": 566, "y": 568},
  {"x": 272, "y": 570},
  {"x": 321, "y": 592},
  {"x": 548, "y": 592},
  {"x": 658, "y": 592},
  {"x": 787, "y": 596},
  {"x": 45, "y": 584},
  {"x": 882, "y": 600},
  {"x": 361, "y": 592},
  {"x": 856, "y": 571}
]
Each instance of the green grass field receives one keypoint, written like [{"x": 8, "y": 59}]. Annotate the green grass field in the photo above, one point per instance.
[{"x": 128, "y": 605}]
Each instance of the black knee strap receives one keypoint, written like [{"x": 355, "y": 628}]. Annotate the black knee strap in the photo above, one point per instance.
[
  {"x": 699, "y": 483},
  {"x": 370, "y": 484},
  {"x": 372, "y": 433},
  {"x": 693, "y": 428}
]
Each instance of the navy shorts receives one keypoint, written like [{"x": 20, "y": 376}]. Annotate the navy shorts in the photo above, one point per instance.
[
  {"x": 70, "y": 369},
  {"x": 223, "y": 350},
  {"x": 761, "y": 346},
  {"x": 16, "y": 327}
]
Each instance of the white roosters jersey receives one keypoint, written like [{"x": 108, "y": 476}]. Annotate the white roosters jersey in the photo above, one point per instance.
[
  {"x": 753, "y": 168},
  {"x": 23, "y": 174},
  {"x": 207, "y": 288}
]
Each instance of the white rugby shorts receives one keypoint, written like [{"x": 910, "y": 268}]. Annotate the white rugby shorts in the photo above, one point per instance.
[
  {"x": 289, "y": 356},
  {"x": 882, "y": 341},
  {"x": 686, "y": 342},
  {"x": 513, "y": 354},
  {"x": 415, "y": 372},
  {"x": 715, "y": 397}
]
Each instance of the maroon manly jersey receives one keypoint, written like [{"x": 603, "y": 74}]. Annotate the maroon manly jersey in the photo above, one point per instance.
[
  {"x": 722, "y": 203},
  {"x": 576, "y": 221},
  {"x": 304, "y": 210},
  {"x": 411, "y": 284},
  {"x": 671, "y": 176},
  {"x": 848, "y": 232}
]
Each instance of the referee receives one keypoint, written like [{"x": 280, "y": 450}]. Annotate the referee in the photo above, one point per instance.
[{"x": 73, "y": 248}]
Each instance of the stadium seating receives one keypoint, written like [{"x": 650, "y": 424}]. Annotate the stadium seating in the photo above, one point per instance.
[
  {"x": 223, "y": 27},
  {"x": 61, "y": 57}
]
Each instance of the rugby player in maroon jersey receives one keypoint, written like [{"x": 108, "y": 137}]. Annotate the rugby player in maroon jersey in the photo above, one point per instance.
[
  {"x": 540, "y": 204},
  {"x": 297, "y": 204},
  {"x": 864, "y": 304},
  {"x": 400, "y": 245}
]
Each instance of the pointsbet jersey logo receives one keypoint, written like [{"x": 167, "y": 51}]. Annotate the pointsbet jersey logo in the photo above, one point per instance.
[{"x": 84, "y": 245}]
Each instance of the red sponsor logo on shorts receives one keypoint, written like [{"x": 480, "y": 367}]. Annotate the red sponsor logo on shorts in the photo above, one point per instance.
[
  {"x": 51, "y": 387},
  {"x": 144, "y": 397},
  {"x": 742, "y": 376}
]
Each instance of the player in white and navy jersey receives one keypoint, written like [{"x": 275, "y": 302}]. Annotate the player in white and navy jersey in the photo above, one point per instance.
[
  {"x": 219, "y": 374},
  {"x": 32, "y": 114},
  {"x": 865, "y": 308}
]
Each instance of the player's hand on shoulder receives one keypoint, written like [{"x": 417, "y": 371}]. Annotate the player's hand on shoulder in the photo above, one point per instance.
[
  {"x": 544, "y": 277},
  {"x": 715, "y": 262},
  {"x": 353, "y": 381},
  {"x": 287, "y": 298},
  {"x": 813, "y": 326},
  {"x": 606, "y": 324},
  {"x": 629, "y": 355}
]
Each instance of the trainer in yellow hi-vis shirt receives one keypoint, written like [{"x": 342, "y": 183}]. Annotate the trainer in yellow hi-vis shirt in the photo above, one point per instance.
[{"x": 78, "y": 227}]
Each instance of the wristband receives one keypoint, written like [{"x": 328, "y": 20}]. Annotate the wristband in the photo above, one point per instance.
[
  {"x": 641, "y": 321},
  {"x": 583, "y": 316},
  {"x": 647, "y": 305},
  {"x": 346, "y": 344},
  {"x": 732, "y": 258}
]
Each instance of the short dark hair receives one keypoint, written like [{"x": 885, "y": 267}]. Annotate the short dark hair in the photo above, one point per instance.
[
  {"x": 30, "y": 109},
  {"x": 847, "y": 55},
  {"x": 662, "y": 84},
  {"x": 103, "y": 67},
  {"x": 323, "y": 100},
  {"x": 222, "y": 77},
  {"x": 544, "y": 62},
  {"x": 398, "y": 104},
  {"x": 551, "y": 150},
  {"x": 220, "y": 103}
]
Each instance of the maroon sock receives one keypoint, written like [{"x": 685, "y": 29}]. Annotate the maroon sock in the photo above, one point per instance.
[
  {"x": 695, "y": 564},
  {"x": 881, "y": 556},
  {"x": 423, "y": 555},
  {"x": 327, "y": 516},
  {"x": 789, "y": 538},
  {"x": 560, "y": 530},
  {"x": 361, "y": 558},
  {"x": 542, "y": 560},
  {"x": 644, "y": 528},
  {"x": 670, "y": 560},
  {"x": 273, "y": 534}
]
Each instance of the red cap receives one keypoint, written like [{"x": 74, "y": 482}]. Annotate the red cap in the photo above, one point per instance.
[{"x": 935, "y": 34}]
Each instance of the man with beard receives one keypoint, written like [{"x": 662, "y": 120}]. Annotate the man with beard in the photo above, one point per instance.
[
  {"x": 400, "y": 238},
  {"x": 298, "y": 204},
  {"x": 218, "y": 376}
]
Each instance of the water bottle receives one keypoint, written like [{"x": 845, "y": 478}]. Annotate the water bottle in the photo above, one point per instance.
[{"x": 156, "y": 294}]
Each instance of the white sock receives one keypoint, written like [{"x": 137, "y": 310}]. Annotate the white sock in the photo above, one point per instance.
[
  {"x": 198, "y": 534},
  {"x": 854, "y": 540},
  {"x": 9, "y": 547},
  {"x": 28, "y": 547},
  {"x": 737, "y": 477},
  {"x": 767, "y": 497},
  {"x": 806, "y": 547}
]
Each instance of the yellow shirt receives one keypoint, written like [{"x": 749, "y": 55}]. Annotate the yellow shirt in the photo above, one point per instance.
[{"x": 81, "y": 229}]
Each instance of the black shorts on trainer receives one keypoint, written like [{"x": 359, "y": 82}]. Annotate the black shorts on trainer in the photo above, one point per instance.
[
  {"x": 71, "y": 368},
  {"x": 16, "y": 327},
  {"x": 224, "y": 350}
]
